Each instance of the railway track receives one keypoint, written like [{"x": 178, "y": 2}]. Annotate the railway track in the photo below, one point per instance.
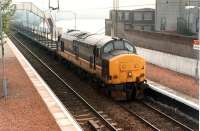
[
  {"x": 154, "y": 117},
  {"x": 85, "y": 114},
  {"x": 86, "y": 118}
]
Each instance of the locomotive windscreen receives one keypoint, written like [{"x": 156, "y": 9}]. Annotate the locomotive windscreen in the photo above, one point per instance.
[{"x": 119, "y": 45}]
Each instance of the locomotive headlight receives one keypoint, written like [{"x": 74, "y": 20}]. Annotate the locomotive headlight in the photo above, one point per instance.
[{"x": 130, "y": 74}]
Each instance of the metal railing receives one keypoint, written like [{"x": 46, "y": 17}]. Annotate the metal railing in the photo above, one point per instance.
[{"x": 45, "y": 17}]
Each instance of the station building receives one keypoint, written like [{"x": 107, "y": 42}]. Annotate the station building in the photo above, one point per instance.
[
  {"x": 139, "y": 19},
  {"x": 180, "y": 16}
]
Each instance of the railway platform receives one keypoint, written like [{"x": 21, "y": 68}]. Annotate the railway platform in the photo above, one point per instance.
[
  {"x": 30, "y": 104},
  {"x": 179, "y": 87},
  {"x": 174, "y": 94}
]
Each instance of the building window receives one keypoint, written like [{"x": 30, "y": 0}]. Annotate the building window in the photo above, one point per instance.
[
  {"x": 120, "y": 16},
  {"x": 163, "y": 23},
  {"x": 147, "y": 16},
  {"x": 138, "y": 16},
  {"x": 126, "y": 16}
]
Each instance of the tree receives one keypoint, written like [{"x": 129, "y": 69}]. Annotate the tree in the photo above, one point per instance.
[{"x": 7, "y": 10}]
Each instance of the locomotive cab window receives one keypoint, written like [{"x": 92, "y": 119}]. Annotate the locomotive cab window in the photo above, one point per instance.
[
  {"x": 129, "y": 47},
  {"x": 108, "y": 48},
  {"x": 119, "y": 45}
]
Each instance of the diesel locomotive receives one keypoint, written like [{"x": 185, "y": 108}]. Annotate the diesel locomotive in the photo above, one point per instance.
[{"x": 112, "y": 61}]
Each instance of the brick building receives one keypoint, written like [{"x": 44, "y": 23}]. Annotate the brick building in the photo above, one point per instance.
[{"x": 139, "y": 19}]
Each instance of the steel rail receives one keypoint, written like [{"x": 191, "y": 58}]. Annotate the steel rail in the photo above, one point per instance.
[
  {"x": 169, "y": 117},
  {"x": 135, "y": 114},
  {"x": 158, "y": 111}
]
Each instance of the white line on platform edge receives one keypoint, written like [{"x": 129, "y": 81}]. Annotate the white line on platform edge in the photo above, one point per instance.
[{"x": 174, "y": 96}]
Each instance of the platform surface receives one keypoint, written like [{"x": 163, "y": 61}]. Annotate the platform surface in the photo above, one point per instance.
[
  {"x": 183, "y": 98},
  {"x": 30, "y": 104}
]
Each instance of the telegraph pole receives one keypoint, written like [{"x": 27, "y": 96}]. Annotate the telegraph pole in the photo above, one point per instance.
[
  {"x": 114, "y": 19},
  {"x": 189, "y": 16}
]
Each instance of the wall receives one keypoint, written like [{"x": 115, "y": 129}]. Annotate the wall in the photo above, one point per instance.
[
  {"x": 179, "y": 64},
  {"x": 164, "y": 42}
]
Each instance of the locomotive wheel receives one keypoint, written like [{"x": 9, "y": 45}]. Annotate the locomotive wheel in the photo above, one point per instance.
[
  {"x": 139, "y": 94},
  {"x": 129, "y": 95},
  {"x": 59, "y": 58},
  {"x": 119, "y": 95}
]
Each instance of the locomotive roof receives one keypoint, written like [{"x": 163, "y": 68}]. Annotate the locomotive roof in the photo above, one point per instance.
[{"x": 86, "y": 37}]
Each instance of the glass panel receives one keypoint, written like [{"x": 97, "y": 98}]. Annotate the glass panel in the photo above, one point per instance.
[
  {"x": 126, "y": 16},
  {"x": 147, "y": 16},
  {"x": 119, "y": 45},
  {"x": 108, "y": 48},
  {"x": 120, "y": 16},
  {"x": 129, "y": 47},
  {"x": 137, "y": 16}
]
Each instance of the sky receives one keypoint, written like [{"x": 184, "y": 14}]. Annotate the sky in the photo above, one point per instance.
[
  {"x": 91, "y": 8},
  {"x": 90, "y": 14}
]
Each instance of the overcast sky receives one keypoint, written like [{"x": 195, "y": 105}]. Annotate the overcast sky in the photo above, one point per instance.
[{"x": 92, "y": 8}]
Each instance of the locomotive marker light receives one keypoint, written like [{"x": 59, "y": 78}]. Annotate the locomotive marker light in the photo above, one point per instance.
[{"x": 130, "y": 74}]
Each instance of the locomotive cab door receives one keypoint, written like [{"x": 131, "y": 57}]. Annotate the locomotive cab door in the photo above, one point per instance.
[
  {"x": 62, "y": 46},
  {"x": 91, "y": 61},
  {"x": 105, "y": 69},
  {"x": 75, "y": 48},
  {"x": 95, "y": 56}
]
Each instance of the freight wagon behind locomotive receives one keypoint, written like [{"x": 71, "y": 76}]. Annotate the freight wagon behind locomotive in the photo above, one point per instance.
[{"x": 112, "y": 61}]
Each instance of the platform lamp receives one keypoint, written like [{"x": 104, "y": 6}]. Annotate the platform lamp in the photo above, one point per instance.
[{"x": 4, "y": 80}]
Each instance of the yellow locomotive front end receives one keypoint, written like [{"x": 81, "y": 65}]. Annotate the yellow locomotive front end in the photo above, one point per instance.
[
  {"x": 123, "y": 70},
  {"x": 126, "y": 68},
  {"x": 126, "y": 76}
]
